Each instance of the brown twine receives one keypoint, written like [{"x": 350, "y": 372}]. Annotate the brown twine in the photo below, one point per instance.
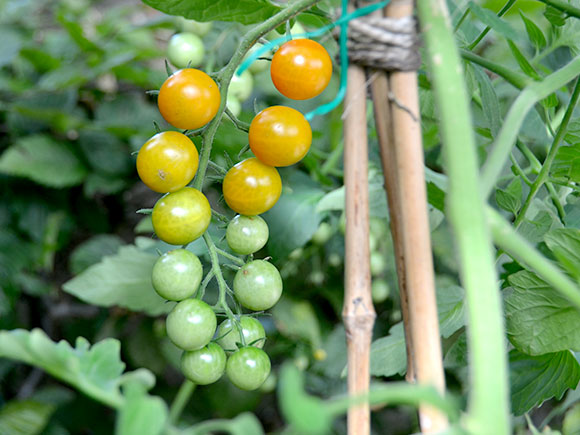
[{"x": 384, "y": 43}]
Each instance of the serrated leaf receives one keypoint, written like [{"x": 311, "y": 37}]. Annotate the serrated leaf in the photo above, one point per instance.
[
  {"x": 538, "y": 319},
  {"x": 27, "y": 417},
  {"x": 567, "y": 163},
  {"x": 510, "y": 198},
  {"x": 535, "y": 379},
  {"x": 242, "y": 11},
  {"x": 535, "y": 34},
  {"x": 555, "y": 16},
  {"x": 490, "y": 19},
  {"x": 91, "y": 251},
  {"x": 297, "y": 319},
  {"x": 524, "y": 64},
  {"x": 96, "y": 371},
  {"x": 44, "y": 160},
  {"x": 451, "y": 309},
  {"x": 565, "y": 244},
  {"x": 388, "y": 354},
  {"x": 294, "y": 219},
  {"x": 490, "y": 102},
  {"x": 123, "y": 279},
  {"x": 533, "y": 230}
]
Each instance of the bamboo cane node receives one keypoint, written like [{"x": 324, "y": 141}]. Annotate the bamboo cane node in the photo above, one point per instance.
[{"x": 384, "y": 43}]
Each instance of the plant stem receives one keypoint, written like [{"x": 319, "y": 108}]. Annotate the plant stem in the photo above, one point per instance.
[
  {"x": 181, "y": 399},
  {"x": 240, "y": 125},
  {"x": 222, "y": 285},
  {"x": 229, "y": 256},
  {"x": 519, "y": 170},
  {"x": 488, "y": 410},
  {"x": 564, "y": 7},
  {"x": 520, "y": 249},
  {"x": 501, "y": 13},
  {"x": 226, "y": 74},
  {"x": 507, "y": 136},
  {"x": 543, "y": 175},
  {"x": 516, "y": 79}
]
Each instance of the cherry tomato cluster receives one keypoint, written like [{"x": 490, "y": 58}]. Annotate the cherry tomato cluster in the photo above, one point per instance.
[{"x": 278, "y": 136}]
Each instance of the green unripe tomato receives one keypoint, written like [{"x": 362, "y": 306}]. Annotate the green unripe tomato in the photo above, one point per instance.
[
  {"x": 380, "y": 290},
  {"x": 252, "y": 330},
  {"x": 247, "y": 234},
  {"x": 234, "y": 105},
  {"x": 334, "y": 259},
  {"x": 185, "y": 49},
  {"x": 197, "y": 27},
  {"x": 378, "y": 227},
  {"x": 177, "y": 274},
  {"x": 378, "y": 263},
  {"x": 269, "y": 384},
  {"x": 241, "y": 86},
  {"x": 322, "y": 234},
  {"x": 204, "y": 366},
  {"x": 258, "y": 65},
  {"x": 191, "y": 324},
  {"x": 258, "y": 285},
  {"x": 373, "y": 242},
  {"x": 296, "y": 254},
  {"x": 248, "y": 368}
]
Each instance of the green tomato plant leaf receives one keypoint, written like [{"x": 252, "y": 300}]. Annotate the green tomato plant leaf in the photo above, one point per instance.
[
  {"x": 43, "y": 160},
  {"x": 490, "y": 19},
  {"x": 141, "y": 414},
  {"x": 242, "y": 11},
  {"x": 26, "y": 417},
  {"x": 535, "y": 379},
  {"x": 510, "y": 198},
  {"x": 567, "y": 163},
  {"x": 535, "y": 34},
  {"x": 388, "y": 354},
  {"x": 297, "y": 319},
  {"x": 294, "y": 218},
  {"x": 523, "y": 62},
  {"x": 451, "y": 310},
  {"x": 538, "y": 319},
  {"x": 123, "y": 279},
  {"x": 91, "y": 251},
  {"x": 565, "y": 245},
  {"x": 96, "y": 370}
]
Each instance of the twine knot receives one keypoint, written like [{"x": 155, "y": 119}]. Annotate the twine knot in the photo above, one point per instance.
[{"x": 384, "y": 43}]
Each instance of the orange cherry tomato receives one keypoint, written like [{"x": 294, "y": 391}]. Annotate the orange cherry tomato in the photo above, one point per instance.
[
  {"x": 251, "y": 187},
  {"x": 167, "y": 161},
  {"x": 181, "y": 217},
  {"x": 189, "y": 99},
  {"x": 280, "y": 136},
  {"x": 301, "y": 69}
]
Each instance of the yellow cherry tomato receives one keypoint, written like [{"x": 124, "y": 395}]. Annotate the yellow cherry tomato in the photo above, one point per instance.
[
  {"x": 167, "y": 161},
  {"x": 189, "y": 99},
  {"x": 251, "y": 187},
  {"x": 301, "y": 69},
  {"x": 280, "y": 136},
  {"x": 181, "y": 217}
]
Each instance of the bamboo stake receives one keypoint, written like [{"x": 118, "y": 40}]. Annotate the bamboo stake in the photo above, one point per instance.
[
  {"x": 411, "y": 197},
  {"x": 358, "y": 313},
  {"x": 379, "y": 85}
]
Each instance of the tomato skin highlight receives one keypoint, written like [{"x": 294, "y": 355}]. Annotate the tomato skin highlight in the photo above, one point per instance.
[
  {"x": 301, "y": 69},
  {"x": 176, "y": 275},
  {"x": 204, "y": 366},
  {"x": 191, "y": 324},
  {"x": 181, "y": 217},
  {"x": 251, "y": 187},
  {"x": 280, "y": 136},
  {"x": 167, "y": 162},
  {"x": 248, "y": 368},
  {"x": 189, "y": 99}
]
